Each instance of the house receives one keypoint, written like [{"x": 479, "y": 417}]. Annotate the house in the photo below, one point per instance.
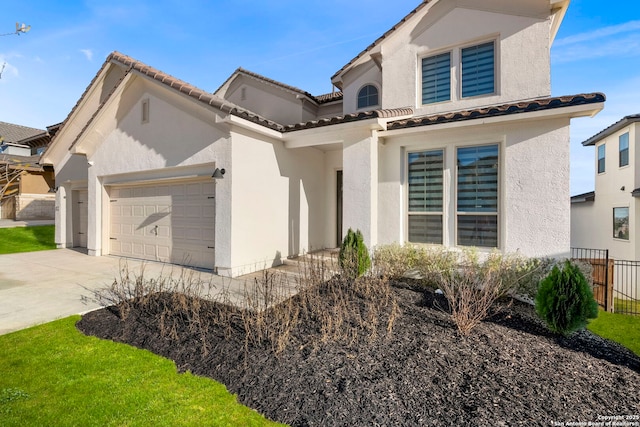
[
  {"x": 25, "y": 186},
  {"x": 608, "y": 217},
  {"x": 442, "y": 131}
]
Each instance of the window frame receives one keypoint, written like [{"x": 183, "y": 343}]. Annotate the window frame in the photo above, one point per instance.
[
  {"x": 497, "y": 214},
  {"x": 601, "y": 149},
  {"x": 461, "y": 79},
  {"x": 363, "y": 87},
  {"x": 617, "y": 237},
  {"x": 449, "y": 213},
  {"x": 450, "y": 77},
  {"x": 443, "y": 211},
  {"x": 623, "y": 153}
]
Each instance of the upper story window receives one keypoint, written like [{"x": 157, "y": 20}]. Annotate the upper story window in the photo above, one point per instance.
[
  {"x": 478, "y": 70},
  {"x": 368, "y": 97},
  {"x": 477, "y": 75},
  {"x": 436, "y": 78},
  {"x": 601, "y": 158},
  {"x": 623, "y": 149}
]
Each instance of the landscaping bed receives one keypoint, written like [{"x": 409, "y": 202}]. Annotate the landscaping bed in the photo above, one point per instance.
[{"x": 508, "y": 371}]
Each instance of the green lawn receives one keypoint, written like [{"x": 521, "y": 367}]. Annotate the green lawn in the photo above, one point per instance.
[
  {"x": 620, "y": 328},
  {"x": 27, "y": 239},
  {"x": 628, "y": 306},
  {"x": 54, "y": 375}
]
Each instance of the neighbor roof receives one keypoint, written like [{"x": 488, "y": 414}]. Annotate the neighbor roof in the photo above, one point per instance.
[
  {"x": 15, "y": 133},
  {"x": 626, "y": 121},
  {"x": 584, "y": 197}
]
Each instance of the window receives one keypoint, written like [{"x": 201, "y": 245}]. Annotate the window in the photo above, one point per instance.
[
  {"x": 623, "y": 154},
  {"x": 436, "y": 78},
  {"x": 426, "y": 196},
  {"x": 621, "y": 223},
  {"x": 477, "y": 196},
  {"x": 368, "y": 96},
  {"x": 601, "y": 151},
  {"x": 478, "y": 70}
]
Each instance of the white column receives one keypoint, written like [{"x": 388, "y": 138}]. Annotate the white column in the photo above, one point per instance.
[{"x": 360, "y": 187}]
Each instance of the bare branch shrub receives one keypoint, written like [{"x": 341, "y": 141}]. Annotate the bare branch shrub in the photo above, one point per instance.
[{"x": 474, "y": 286}]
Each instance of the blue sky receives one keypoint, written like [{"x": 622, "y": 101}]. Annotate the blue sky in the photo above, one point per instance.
[{"x": 301, "y": 43}]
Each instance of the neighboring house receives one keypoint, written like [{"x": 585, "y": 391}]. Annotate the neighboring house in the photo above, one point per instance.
[
  {"x": 443, "y": 132},
  {"x": 608, "y": 218},
  {"x": 26, "y": 187}
]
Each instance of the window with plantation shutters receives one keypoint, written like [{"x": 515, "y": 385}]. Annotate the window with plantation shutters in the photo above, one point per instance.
[
  {"x": 436, "y": 78},
  {"x": 478, "y": 70},
  {"x": 477, "y": 196},
  {"x": 425, "y": 181}
]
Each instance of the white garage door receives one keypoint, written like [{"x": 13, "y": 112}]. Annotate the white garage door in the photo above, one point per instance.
[{"x": 169, "y": 223}]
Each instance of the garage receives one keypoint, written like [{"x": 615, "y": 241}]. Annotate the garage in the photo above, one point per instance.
[{"x": 167, "y": 222}]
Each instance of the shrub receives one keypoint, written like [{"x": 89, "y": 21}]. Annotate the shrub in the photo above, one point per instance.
[
  {"x": 472, "y": 288},
  {"x": 354, "y": 256},
  {"x": 565, "y": 300}
]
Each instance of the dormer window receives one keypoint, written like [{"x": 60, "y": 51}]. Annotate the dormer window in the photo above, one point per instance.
[{"x": 368, "y": 97}]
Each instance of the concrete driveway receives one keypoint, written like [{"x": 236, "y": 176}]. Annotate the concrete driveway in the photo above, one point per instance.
[{"x": 38, "y": 287}]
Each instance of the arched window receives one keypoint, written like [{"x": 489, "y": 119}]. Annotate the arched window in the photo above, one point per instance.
[{"x": 368, "y": 97}]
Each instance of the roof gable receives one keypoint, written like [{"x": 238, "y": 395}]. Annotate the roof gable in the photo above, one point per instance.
[{"x": 556, "y": 12}]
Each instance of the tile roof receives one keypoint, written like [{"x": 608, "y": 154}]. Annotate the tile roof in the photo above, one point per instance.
[
  {"x": 612, "y": 129},
  {"x": 15, "y": 133},
  {"x": 384, "y": 36},
  {"x": 500, "y": 110},
  {"x": 347, "y": 118},
  {"x": 329, "y": 97},
  {"x": 321, "y": 99},
  {"x": 176, "y": 84}
]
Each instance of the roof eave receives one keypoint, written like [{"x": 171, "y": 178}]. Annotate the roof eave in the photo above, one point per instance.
[{"x": 624, "y": 122}]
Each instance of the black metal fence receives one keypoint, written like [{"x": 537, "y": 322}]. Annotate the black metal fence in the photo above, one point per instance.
[
  {"x": 616, "y": 282},
  {"x": 627, "y": 287}
]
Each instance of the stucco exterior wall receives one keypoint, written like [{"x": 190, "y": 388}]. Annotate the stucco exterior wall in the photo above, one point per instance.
[
  {"x": 277, "y": 104},
  {"x": 332, "y": 164},
  {"x": 36, "y": 182},
  {"x": 367, "y": 74},
  {"x": 278, "y": 201},
  {"x": 534, "y": 214},
  {"x": 522, "y": 35}
]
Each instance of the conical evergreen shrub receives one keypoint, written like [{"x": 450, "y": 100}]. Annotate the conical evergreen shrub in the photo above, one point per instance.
[
  {"x": 354, "y": 255},
  {"x": 565, "y": 300}
]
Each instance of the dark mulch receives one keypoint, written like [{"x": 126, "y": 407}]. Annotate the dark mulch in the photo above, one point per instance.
[{"x": 509, "y": 371}]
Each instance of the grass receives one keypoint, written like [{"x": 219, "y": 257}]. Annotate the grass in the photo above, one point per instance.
[
  {"x": 27, "y": 239},
  {"x": 54, "y": 375},
  {"x": 626, "y": 306},
  {"x": 620, "y": 328}
]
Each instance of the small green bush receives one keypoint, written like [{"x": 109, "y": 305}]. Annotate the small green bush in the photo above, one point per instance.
[
  {"x": 565, "y": 300},
  {"x": 354, "y": 255}
]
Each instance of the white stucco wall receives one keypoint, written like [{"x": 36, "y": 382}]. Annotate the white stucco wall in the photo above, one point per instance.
[
  {"x": 522, "y": 35},
  {"x": 278, "y": 201},
  {"x": 367, "y": 74},
  {"x": 270, "y": 101},
  {"x": 534, "y": 214},
  {"x": 360, "y": 186}
]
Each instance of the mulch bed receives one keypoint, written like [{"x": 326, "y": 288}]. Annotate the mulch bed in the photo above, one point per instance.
[{"x": 509, "y": 371}]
